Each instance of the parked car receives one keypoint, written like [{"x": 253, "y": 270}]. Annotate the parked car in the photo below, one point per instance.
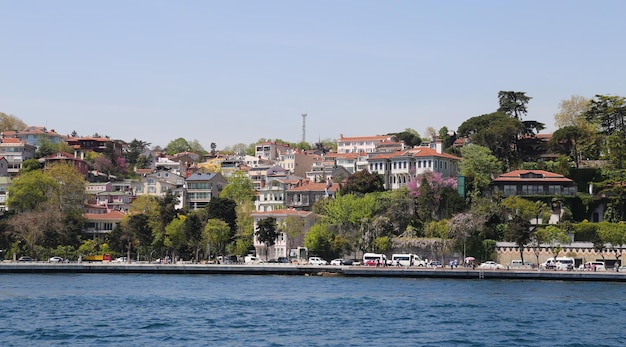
[
  {"x": 317, "y": 261},
  {"x": 491, "y": 265},
  {"x": 56, "y": 260},
  {"x": 25, "y": 259},
  {"x": 434, "y": 263},
  {"x": 592, "y": 266},
  {"x": 337, "y": 262}
]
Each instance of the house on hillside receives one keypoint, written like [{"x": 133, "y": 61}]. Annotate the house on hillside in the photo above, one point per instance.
[
  {"x": 399, "y": 168},
  {"x": 68, "y": 158},
  {"x": 202, "y": 187},
  {"x": 533, "y": 182},
  {"x": 305, "y": 196},
  {"x": 15, "y": 152},
  {"x": 368, "y": 144}
]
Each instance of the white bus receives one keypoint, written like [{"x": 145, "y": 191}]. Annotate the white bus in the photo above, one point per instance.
[{"x": 375, "y": 259}]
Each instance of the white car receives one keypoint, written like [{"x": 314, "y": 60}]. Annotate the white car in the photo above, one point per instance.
[
  {"x": 491, "y": 265},
  {"x": 56, "y": 260},
  {"x": 317, "y": 261},
  {"x": 336, "y": 262}
]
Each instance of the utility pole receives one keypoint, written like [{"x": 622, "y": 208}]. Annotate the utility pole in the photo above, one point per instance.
[{"x": 304, "y": 127}]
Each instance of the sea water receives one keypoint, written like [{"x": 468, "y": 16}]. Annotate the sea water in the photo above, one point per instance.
[{"x": 240, "y": 310}]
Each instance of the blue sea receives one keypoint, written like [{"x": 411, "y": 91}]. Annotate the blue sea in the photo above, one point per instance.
[{"x": 240, "y": 310}]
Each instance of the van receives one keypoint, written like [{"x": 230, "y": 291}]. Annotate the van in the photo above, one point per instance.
[
  {"x": 407, "y": 260},
  {"x": 560, "y": 263},
  {"x": 251, "y": 259},
  {"x": 593, "y": 266},
  {"x": 375, "y": 259}
]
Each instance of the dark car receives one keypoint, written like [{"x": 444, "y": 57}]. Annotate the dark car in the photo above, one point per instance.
[
  {"x": 282, "y": 260},
  {"x": 25, "y": 259}
]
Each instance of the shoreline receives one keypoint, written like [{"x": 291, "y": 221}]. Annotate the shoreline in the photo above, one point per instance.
[{"x": 309, "y": 270}]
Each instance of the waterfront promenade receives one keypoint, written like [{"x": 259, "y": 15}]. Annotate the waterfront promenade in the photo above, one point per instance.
[{"x": 308, "y": 270}]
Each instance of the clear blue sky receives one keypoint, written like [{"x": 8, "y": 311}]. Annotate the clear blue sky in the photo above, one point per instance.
[{"x": 235, "y": 71}]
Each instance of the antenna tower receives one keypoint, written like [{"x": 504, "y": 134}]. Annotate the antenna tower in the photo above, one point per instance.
[{"x": 304, "y": 127}]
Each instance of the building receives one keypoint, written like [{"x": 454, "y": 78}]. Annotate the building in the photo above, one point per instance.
[
  {"x": 306, "y": 195},
  {"x": 33, "y": 135},
  {"x": 272, "y": 196},
  {"x": 532, "y": 182},
  {"x": 399, "y": 168},
  {"x": 367, "y": 144},
  {"x": 284, "y": 245},
  {"x": 202, "y": 187},
  {"x": 270, "y": 150},
  {"x": 4, "y": 193},
  {"x": 297, "y": 162},
  {"x": 96, "y": 144},
  {"x": 15, "y": 152},
  {"x": 159, "y": 183},
  {"x": 98, "y": 224},
  {"x": 63, "y": 157}
]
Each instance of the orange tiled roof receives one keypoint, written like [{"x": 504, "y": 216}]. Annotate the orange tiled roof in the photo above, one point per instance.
[
  {"x": 112, "y": 215},
  {"x": 516, "y": 175}
]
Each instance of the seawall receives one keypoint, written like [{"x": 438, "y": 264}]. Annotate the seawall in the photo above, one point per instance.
[{"x": 303, "y": 270}]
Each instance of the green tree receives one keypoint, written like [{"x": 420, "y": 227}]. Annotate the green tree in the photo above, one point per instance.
[
  {"x": 29, "y": 190},
  {"x": 363, "y": 182},
  {"x": 513, "y": 103},
  {"x": 30, "y": 165},
  {"x": 319, "y": 240},
  {"x": 193, "y": 227},
  {"x": 410, "y": 137},
  {"x": 178, "y": 145},
  {"x": 224, "y": 209},
  {"x": 175, "y": 235},
  {"x": 245, "y": 228},
  {"x": 519, "y": 231},
  {"x": 239, "y": 188},
  {"x": 479, "y": 165},
  {"x": 217, "y": 234},
  {"x": 554, "y": 237},
  {"x": 136, "y": 148},
  {"x": 496, "y": 131},
  {"x": 565, "y": 141},
  {"x": 266, "y": 232},
  {"x": 614, "y": 236}
]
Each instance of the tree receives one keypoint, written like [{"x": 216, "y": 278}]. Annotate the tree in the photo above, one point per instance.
[
  {"x": 513, "y": 103},
  {"x": 554, "y": 237},
  {"x": 193, "y": 231},
  {"x": 614, "y": 236},
  {"x": 223, "y": 209},
  {"x": 319, "y": 240},
  {"x": 410, "y": 137},
  {"x": 11, "y": 123},
  {"x": 571, "y": 112},
  {"x": 29, "y": 190},
  {"x": 363, "y": 182},
  {"x": 519, "y": 231},
  {"x": 216, "y": 233},
  {"x": 479, "y": 165},
  {"x": 175, "y": 235},
  {"x": 140, "y": 232},
  {"x": 178, "y": 145},
  {"x": 608, "y": 112},
  {"x": 496, "y": 131},
  {"x": 565, "y": 141},
  {"x": 244, "y": 237},
  {"x": 266, "y": 232},
  {"x": 239, "y": 188},
  {"x": 136, "y": 148},
  {"x": 463, "y": 225},
  {"x": 293, "y": 228}
]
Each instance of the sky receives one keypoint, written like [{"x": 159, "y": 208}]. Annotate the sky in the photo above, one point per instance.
[{"x": 229, "y": 72}]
